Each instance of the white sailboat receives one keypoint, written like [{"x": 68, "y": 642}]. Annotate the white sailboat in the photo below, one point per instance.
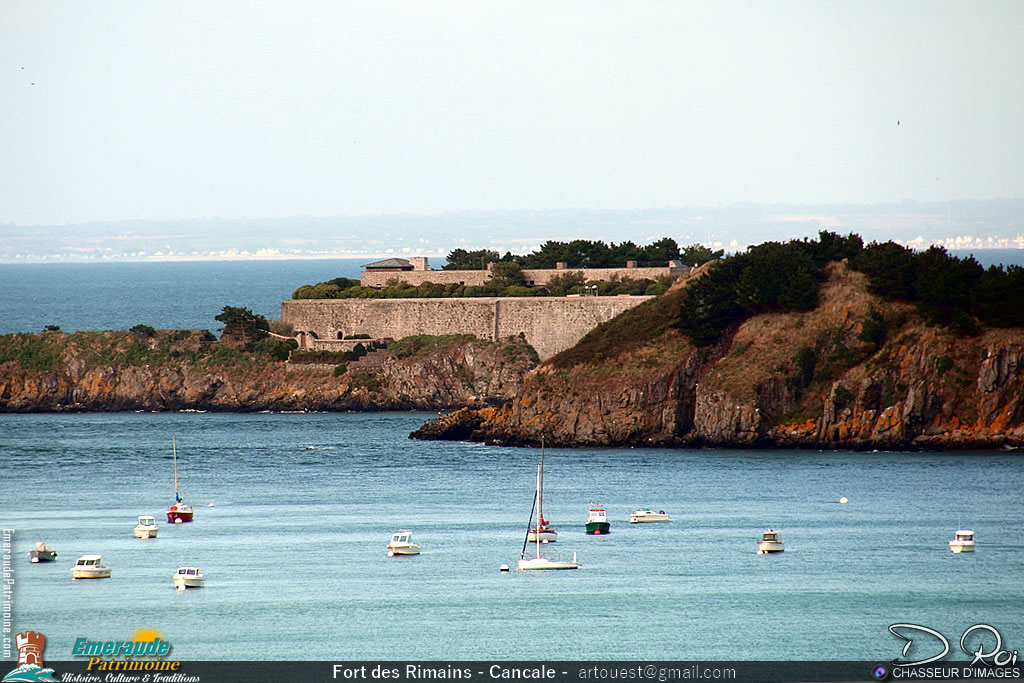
[
  {"x": 178, "y": 512},
  {"x": 538, "y": 560},
  {"x": 543, "y": 532}
]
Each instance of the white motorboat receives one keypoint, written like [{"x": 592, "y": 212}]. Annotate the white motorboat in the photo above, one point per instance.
[
  {"x": 645, "y": 515},
  {"x": 42, "y": 553},
  {"x": 770, "y": 542},
  {"x": 146, "y": 528},
  {"x": 90, "y": 567},
  {"x": 538, "y": 560},
  {"x": 402, "y": 544},
  {"x": 188, "y": 577},
  {"x": 963, "y": 541}
]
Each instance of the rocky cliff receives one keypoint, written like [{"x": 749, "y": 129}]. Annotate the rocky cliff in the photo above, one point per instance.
[
  {"x": 188, "y": 370},
  {"x": 857, "y": 372}
]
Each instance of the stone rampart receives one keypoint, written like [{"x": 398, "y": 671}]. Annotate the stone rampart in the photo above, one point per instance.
[
  {"x": 533, "y": 277},
  {"x": 550, "y": 325}
]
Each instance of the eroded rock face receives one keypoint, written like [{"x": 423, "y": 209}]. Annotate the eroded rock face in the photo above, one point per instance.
[
  {"x": 784, "y": 380},
  {"x": 468, "y": 374}
]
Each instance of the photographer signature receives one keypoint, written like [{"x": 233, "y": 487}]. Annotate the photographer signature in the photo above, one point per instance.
[{"x": 994, "y": 657}]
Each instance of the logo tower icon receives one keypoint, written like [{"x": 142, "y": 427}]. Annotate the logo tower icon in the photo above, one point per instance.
[
  {"x": 30, "y": 659},
  {"x": 30, "y": 647}
]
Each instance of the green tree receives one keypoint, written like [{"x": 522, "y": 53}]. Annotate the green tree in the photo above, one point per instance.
[
  {"x": 506, "y": 275},
  {"x": 891, "y": 270},
  {"x": 697, "y": 254},
  {"x": 460, "y": 259},
  {"x": 242, "y": 324},
  {"x": 998, "y": 295},
  {"x": 944, "y": 285},
  {"x": 658, "y": 254}
]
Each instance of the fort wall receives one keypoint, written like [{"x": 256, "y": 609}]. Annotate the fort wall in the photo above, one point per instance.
[
  {"x": 550, "y": 325},
  {"x": 370, "y": 278}
]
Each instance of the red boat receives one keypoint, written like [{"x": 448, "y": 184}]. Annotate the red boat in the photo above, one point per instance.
[{"x": 178, "y": 512}]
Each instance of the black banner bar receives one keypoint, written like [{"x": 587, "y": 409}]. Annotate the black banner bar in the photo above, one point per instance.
[{"x": 497, "y": 671}]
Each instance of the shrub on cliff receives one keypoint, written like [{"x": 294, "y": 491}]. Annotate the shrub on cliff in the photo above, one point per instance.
[
  {"x": 278, "y": 349},
  {"x": 950, "y": 291},
  {"x": 32, "y": 352},
  {"x": 421, "y": 343},
  {"x": 769, "y": 277}
]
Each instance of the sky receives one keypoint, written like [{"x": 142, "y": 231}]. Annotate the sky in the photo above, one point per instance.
[{"x": 125, "y": 110}]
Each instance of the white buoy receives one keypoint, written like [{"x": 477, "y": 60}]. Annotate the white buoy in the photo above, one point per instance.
[
  {"x": 210, "y": 505},
  {"x": 177, "y": 520},
  {"x": 503, "y": 568},
  {"x": 843, "y": 500}
]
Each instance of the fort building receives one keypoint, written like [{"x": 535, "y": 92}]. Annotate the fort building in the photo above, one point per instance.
[
  {"x": 549, "y": 324},
  {"x": 415, "y": 271}
]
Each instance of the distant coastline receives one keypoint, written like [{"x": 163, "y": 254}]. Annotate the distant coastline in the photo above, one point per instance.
[
  {"x": 954, "y": 224},
  {"x": 986, "y": 256}
]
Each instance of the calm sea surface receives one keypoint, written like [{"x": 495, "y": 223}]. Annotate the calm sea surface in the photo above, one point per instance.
[
  {"x": 117, "y": 296},
  {"x": 293, "y": 549}
]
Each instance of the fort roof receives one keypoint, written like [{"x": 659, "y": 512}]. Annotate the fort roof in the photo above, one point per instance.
[{"x": 400, "y": 263}]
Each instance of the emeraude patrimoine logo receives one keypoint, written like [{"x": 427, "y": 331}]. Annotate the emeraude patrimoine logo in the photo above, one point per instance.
[{"x": 30, "y": 660}]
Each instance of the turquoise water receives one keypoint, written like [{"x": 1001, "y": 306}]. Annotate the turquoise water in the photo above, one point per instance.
[
  {"x": 177, "y": 296},
  {"x": 295, "y": 564}
]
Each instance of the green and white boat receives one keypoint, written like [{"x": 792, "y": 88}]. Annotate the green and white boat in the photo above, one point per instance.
[{"x": 597, "y": 521}]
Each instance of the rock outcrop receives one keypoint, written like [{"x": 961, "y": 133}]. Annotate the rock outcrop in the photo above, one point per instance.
[
  {"x": 857, "y": 372},
  {"x": 184, "y": 370}
]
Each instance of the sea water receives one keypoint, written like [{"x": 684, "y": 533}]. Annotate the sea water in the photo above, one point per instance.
[
  {"x": 293, "y": 512},
  {"x": 167, "y": 295}
]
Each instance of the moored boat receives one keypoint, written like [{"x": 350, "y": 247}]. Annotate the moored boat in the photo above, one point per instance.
[
  {"x": 178, "y": 512},
  {"x": 770, "y": 542},
  {"x": 90, "y": 567},
  {"x": 188, "y": 577},
  {"x": 402, "y": 544},
  {"x": 543, "y": 532},
  {"x": 647, "y": 515},
  {"x": 597, "y": 521},
  {"x": 963, "y": 541},
  {"x": 42, "y": 553},
  {"x": 538, "y": 560},
  {"x": 146, "y": 528}
]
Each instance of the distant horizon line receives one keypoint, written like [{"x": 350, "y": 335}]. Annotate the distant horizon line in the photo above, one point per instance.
[
  {"x": 335, "y": 257},
  {"x": 411, "y": 214}
]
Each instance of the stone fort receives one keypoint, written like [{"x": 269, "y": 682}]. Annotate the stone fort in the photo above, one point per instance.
[{"x": 549, "y": 324}]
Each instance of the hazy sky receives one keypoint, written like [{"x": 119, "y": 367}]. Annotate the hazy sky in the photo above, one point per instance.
[{"x": 151, "y": 109}]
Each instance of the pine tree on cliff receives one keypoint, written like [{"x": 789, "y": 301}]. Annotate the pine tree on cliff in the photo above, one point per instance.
[{"x": 242, "y": 325}]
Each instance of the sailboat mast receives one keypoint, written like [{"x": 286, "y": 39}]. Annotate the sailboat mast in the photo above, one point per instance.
[
  {"x": 540, "y": 515},
  {"x": 540, "y": 487},
  {"x": 174, "y": 451}
]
